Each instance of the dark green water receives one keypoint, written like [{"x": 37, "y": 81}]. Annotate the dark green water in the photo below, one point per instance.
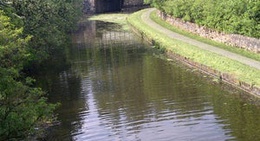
[{"x": 114, "y": 87}]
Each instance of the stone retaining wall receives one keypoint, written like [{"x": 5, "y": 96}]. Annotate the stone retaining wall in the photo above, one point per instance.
[
  {"x": 101, "y": 6},
  {"x": 128, "y": 3},
  {"x": 228, "y": 78},
  {"x": 248, "y": 43}
]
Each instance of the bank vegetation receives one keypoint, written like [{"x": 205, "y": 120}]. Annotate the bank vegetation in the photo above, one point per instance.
[
  {"x": 231, "y": 69},
  {"x": 30, "y": 32},
  {"x": 230, "y": 16}
]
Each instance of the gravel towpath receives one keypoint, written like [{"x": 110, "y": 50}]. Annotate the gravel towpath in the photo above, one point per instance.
[{"x": 247, "y": 61}]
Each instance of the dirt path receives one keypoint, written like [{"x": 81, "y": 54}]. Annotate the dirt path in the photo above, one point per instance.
[{"x": 247, "y": 61}]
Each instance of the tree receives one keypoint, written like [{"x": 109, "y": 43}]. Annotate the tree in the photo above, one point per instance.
[
  {"x": 48, "y": 22},
  {"x": 29, "y": 31},
  {"x": 18, "y": 100}
]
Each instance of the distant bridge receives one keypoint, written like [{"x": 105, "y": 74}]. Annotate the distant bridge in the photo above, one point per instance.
[{"x": 101, "y": 6}]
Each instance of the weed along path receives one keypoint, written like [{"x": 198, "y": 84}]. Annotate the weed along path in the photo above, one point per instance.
[{"x": 244, "y": 60}]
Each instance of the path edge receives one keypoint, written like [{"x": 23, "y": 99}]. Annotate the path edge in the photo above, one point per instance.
[{"x": 224, "y": 77}]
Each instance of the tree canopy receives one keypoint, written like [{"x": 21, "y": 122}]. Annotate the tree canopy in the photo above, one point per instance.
[{"x": 29, "y": 31}]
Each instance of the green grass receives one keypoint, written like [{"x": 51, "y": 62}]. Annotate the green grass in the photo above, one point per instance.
[
  {"x": 118, "y": 18},
  {"x": 238, "y": 70},
  {"x": 240, "y": 51}
]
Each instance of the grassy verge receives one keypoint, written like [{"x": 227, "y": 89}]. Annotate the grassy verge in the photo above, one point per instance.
[
  {"x": 118, "y": 18},
  {"x": 238, "y": 70},
  {"x": 240, "y": 51}
]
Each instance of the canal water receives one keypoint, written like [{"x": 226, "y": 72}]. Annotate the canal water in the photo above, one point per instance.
[{"x": 113, "y": 87}]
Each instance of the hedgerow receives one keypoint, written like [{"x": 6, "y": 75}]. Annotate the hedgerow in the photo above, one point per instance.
[{"x": 230, "y": 16}]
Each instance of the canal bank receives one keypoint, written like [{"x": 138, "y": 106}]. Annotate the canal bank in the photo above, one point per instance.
[
  {"x": 113, "y": 86},
  {"x": 234, "y": 69}
]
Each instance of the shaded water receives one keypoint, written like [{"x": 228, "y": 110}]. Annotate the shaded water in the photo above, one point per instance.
[{"x": 113, "y": 87}]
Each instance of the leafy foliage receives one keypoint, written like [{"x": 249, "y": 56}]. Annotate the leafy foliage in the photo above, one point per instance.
[
  {"x": 231, "y": 16},
  {"x": 29, "y": 31},
  {"x": 48, "y": 21}
]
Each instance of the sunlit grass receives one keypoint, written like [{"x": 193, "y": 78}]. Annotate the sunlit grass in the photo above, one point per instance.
[
  {"x": 240, "y": 51},
  {"x": 118, "y": 18},
  {"x": 238, "y": 70}
]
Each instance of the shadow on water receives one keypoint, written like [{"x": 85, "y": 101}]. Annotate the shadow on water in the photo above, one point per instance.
[{"x": 114, "y": 87}]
